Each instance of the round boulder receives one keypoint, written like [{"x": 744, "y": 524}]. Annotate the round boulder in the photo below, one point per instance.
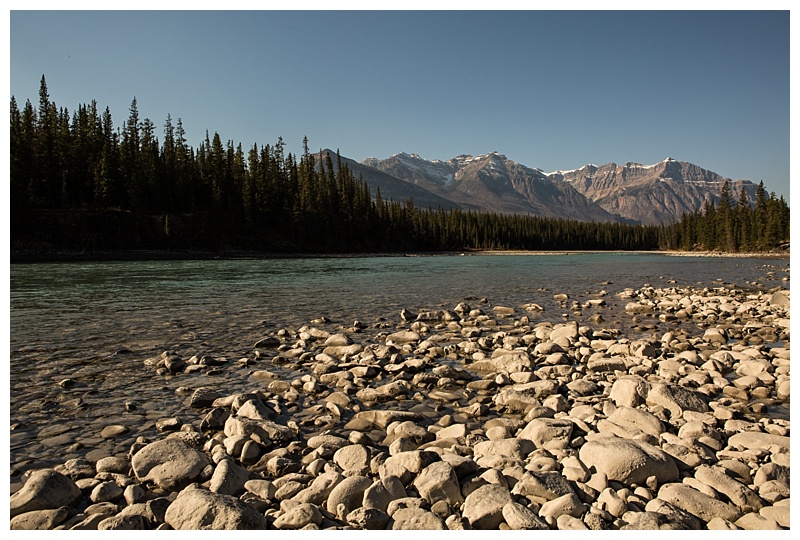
[
  {"x": 45, "y": 489},
  {"x": 484, "y": 506},
  {"x": 628, "y": 461},
  {"x": 169, "y": 463},
  {"x": 196, "y": 508}
]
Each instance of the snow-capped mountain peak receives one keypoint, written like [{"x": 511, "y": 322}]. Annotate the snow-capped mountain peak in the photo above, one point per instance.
[{"x": 651, "y": 194}]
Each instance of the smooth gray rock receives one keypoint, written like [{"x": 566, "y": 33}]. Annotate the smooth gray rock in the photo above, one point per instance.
[
  {"x": 348, "y": 493},
  {"x": 255, "y": 409},
  {"x": 676, "y": 399},
  {"x": 405, "y": 465},
  {"x": 130, "y": 522},
  {"x": 105, "y": 492},
  {"x": 113, "y": 464},
  {"x": 403, "y": 336},
  {"x": 76, "y": 468},
  {"x": 134, "y": 493},
  {"x": 779, "y": 298},
  {"x": 416, "y": 519},
  {"x": 382, "y": 492},
  {"x": 547, "y": 485},
  {"x": 169, "y": 463},
  {"x": 520, "y": 518},
  {"x": 406, "y": 502},
  {"x": 674, "y": 514},
  {"x": 568, "y": 522},
  {"x": 739, "y": 494},
  {"x": 629, "y": 391},
  {"x": 779, "y": 514},
  {"x": 152, "y": 513},
  {"x": 520, "y": 397},
  {"x": 484, "y": 506},
  {"x": 298, "y": 516},
  {"x": 756, "y": 522},
  {"x": 265, "y": 432},
  {"x": 368, "y": 518},
  {"x": 319, "y": 489},
  {"x": 261, "y": 488},
  {"x": 438, "y": 482},
  {"x": 755, "y": 440},
  {"x": 382, "y": 418},
  {"x": 549, "y": 433},
  {"x": 196, "y": 508},
  {"x": 514, "y": 447},
  {"x": 698, "y": 504},
  {"x": 636, "y": 418},
  {"x": 565, "y": 505},
  {"x": 505, "y": 361},
  {"x": 229, "y": 478},
  {"x": 45, "y": 489},
  {"x": 652, "y": 521},
  {"x": 39, "y": 520},
  {"x": 771, "y": 471},
  {"x": 328, "y": 442},
  {"x": 354, "y": 457},
  {"x": 628, "y": 461}
]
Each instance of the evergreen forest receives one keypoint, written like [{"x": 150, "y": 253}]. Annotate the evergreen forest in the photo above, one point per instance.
[{"x": 78, "y": 183}]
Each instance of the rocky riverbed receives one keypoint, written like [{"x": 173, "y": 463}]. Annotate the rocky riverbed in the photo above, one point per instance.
[{"x": 475, "y": 417}]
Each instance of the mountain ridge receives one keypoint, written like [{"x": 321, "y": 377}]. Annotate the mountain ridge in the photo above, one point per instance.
[{"x": 633, "y": 192}]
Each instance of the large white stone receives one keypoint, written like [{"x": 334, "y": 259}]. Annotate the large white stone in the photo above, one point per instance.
[
  {"x": 484, "y": 506},
  {"x": 628, "y": 461},
  {"x": 45, "y": 489},
  {"x": 196, "y": 508},
  {"x": 169, "y": 463},
  {"x": 438, "y": 482}
]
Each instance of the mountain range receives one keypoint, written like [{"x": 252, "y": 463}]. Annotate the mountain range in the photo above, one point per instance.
[{"x": 630, "y": 193}]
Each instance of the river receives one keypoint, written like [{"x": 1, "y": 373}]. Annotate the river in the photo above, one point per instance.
[{"x": 94, "y": 323}]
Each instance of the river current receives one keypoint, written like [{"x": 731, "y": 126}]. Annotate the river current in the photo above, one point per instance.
[{"x": 94, "y": 323}]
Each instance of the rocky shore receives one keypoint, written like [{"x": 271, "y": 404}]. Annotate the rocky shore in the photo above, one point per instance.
[{"x": 476, "y": 417}]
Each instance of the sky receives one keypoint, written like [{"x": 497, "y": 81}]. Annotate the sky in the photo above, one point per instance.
[{"x": 548, "y": 89}]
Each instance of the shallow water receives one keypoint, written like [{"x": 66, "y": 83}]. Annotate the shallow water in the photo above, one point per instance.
[{"x": 96, "y": 322}]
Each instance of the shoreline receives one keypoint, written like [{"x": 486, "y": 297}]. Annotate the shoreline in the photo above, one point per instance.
[
  {"x": 159, "y": 255},
  {"x": 398, "y": 424},
  {"x": 551, "y": 424}
]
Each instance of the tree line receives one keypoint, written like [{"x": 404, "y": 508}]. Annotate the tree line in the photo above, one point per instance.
[
  {"x": 732, "y": 226},
  {"x": 80, "y": 182}
]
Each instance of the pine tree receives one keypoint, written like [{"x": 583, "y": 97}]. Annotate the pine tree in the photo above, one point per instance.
[
  {"x": 743, "y": 221},
  {"x": 130, "y": 161},
  {"x": 20, "y": 160},
  {"x": 48, "y": 181},
  {"x": 269, "y": 198},
  {"x": 725, "y": 239}
]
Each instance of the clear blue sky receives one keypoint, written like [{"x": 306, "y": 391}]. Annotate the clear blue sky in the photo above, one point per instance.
[{"x": 553, "y": 90}]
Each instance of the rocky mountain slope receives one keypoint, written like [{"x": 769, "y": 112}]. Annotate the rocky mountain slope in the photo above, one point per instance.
[
  {"x": 494, "y": 183},
  {"x": 650, "y": 194},
  {"x": 391, "y": 187},
  {"x": 634, "y": 193}
]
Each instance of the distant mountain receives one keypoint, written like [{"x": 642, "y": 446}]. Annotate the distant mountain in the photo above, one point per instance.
[
  {"x": 651, "y": 194},
  {"x": 494, "y": 183},
  {"x": 631, "y": 193},
  {"x": 391, "y": 187}
]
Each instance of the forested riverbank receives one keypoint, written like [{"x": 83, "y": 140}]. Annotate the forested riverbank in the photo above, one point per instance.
[{"x": 81, "y": 185}]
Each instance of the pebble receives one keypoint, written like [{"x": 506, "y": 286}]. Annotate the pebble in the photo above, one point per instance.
[{"x": 456, "y": 419}]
